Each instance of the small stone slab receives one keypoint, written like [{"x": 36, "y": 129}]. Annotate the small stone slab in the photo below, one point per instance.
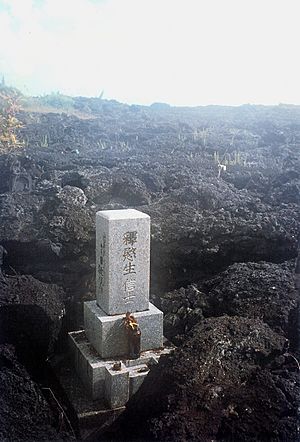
[
  {"x": 122, "y": 260},
  {"x": 107, "y": 333},
  {"x": 87, "y": 364},
  {"x": 137, "y": 375},
  {"x": 116, "y": 386}
]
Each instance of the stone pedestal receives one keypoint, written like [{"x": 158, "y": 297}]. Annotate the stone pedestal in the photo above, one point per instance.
[
  {"x": 98, "y": 376},
  {"x": 107, "y": 333}
]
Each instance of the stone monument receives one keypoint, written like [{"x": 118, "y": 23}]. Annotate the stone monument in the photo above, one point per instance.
[{"x": 101, "y": 352}]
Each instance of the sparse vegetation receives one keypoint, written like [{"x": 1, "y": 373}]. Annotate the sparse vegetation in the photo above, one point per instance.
[
  {"x": 230, "y": 159},
  {"x": 223, "y": 250},
  {"x": 9, "y": 123},
  {"x": 57, "y": 100}
]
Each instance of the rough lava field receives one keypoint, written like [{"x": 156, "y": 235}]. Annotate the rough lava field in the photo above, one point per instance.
[{"x": 224, "y": 247}]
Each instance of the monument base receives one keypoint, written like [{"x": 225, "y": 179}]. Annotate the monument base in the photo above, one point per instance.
[
  {"x": 107, "y": 333},
  {"x": 86, "y": 415},
  {"x": 112, "y": 380}
]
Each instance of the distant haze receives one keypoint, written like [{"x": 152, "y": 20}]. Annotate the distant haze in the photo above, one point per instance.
[{"x": 182, "y": 52}]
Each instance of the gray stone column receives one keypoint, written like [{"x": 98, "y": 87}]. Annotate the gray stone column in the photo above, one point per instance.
[{"x": 122, "y": 261}]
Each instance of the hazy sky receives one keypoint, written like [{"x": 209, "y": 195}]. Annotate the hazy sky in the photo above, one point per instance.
[{"x": 183, "y": 52}]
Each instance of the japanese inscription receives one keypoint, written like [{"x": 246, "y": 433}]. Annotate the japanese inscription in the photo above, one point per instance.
[
  {"x": 129, "y": 265},
  {"x": 122, "y": 260},
  {"x": 101, "y": 263},
  {"x": 130, "y": 238}
]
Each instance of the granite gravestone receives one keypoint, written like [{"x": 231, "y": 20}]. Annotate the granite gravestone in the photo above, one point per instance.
[
  {"x": 122, "y": 280},
  {"x": 122, "y": 284},
  {"x": 122, "y": 261}
]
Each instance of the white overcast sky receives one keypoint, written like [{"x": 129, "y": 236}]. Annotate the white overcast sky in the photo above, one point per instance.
[{"x": 183, "y": 52}]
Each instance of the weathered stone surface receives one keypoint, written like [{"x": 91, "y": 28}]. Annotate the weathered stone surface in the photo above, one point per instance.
[
  {"x": 92, "y": 369},
  {"x": 116, "y": 386},
  {"x": 107, "y": 333},
  {"x": 122, "y": 260},
  {"x": 137, "y": 377},
  {"x": 88, "y": 366}
]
